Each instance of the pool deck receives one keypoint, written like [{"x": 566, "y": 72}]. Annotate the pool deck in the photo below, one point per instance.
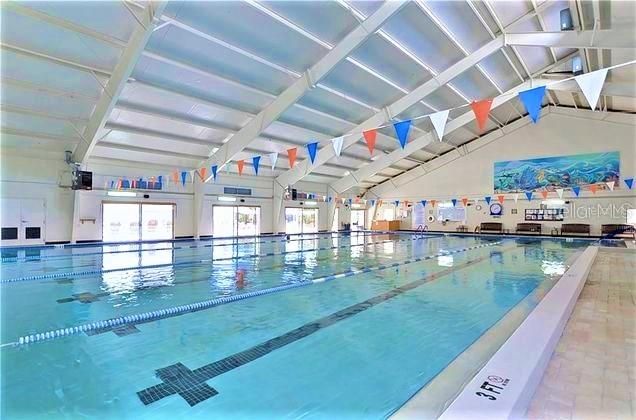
[{"x": 592, "y": 372}]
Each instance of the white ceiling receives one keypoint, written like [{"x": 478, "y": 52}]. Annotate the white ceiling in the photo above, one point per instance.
[{"x": 210, "y": 67}]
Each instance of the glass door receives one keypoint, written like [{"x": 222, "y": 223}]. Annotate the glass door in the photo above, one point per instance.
[
  {"x": 230, "y": 221},
  {"x": 120, "y": 222},
  {"x": 357, "y": 219},
  {"x": 334, "y": 225},
  {"x": 298, "y": 220},
  {"x": 156, "y": 221},
  {"x": 310, "y": 220}
]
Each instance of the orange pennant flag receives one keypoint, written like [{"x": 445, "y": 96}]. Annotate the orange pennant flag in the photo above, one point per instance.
[
  {"x": 202, "y": 173},
  {"x": 433, "y": 202},
  {"x": 593, "y": 188},
  {"x": 464, "y": 201},
  {"x": 544, "y": 194},
  {"x": 291, "y": 155},
  {"x": 241, "y": 164},
  {"x": 369, "y": 137},
  {"x": 481, "y": 110},
  {"x": 501, "y": 199}
]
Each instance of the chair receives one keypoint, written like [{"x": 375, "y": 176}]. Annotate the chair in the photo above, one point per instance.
[
  {"x": 528, "y": 228},
  {"x": 575, "y": 229},
  {"x": 491, "y": 227},
  {"x": 612, "y": 230}
]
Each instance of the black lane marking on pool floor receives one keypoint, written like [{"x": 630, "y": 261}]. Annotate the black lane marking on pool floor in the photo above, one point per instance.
[{"x": 191, "y": 386}]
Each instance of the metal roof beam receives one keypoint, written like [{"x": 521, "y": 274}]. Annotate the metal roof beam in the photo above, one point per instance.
[
  {"x": 117, "y": 81},
  {"x": 614, "y": 38}
]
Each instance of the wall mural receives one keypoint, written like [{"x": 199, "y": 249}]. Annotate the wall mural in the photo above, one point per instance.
[{"x": 556, "y": 172}]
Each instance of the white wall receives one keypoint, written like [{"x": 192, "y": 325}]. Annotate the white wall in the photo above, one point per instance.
[
  {"x": 49, "y": 178},
  {"x": 559, "y": 132}
]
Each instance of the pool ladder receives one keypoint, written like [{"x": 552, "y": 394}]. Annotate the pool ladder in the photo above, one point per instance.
[{"x": 421, "y": 230}]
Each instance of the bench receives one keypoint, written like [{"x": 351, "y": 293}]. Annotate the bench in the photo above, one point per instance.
[
  {"x": 617, "y": 229},
  {"x": 575, "y": 228},
  {"x": 529, "y": 228},
  {"x": 491, "y": 227}
]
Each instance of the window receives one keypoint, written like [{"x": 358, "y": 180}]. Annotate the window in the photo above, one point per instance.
[
  {"x": 300, "y": 220},
  {"x": 357, "y": 219},
  {"x": 236, "y": 221},
  {"x": 130, "y": 222},
  {"x": 388, "y": 213}
]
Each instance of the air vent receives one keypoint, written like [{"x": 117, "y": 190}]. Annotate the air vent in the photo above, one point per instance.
[{"x": 237, "y": 191}]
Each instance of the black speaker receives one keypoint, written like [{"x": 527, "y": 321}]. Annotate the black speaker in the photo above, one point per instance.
[
  {"x": 566, "y": 20},
  {"x": 294, "y": 194},
  {"x": 82, "y": 180}
]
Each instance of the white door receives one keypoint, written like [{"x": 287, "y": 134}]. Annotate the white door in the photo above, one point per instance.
[{"x": 22, "y": 221}]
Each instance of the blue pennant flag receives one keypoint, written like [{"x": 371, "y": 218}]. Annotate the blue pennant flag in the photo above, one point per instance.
[
  {"x": 350, "y": 200},
  {"x": 576, "y": 190},
  {"x": 214, "y": 169},
  {"x": 454, "y": 201},
  {"x": 423, "y": 203},
  {"x": 184, "y": 175},
  {"x": 255, "y": 161},
  {"x": 112, "y": 184},
  {"x": 397, "y": 203},
  {"x": 329, "y": 198},
  {"x": 402, "y": 130},
  {"x": 529, "y": 195},
  {"x": 312, "y": 148},
  {"x": 629, "y": 182},
  {"x": 372, "y": 202},
  {"x": 160, "y": 179},
  {"x": 532, "y": 100},
  {"x": 488, "y": 198}
]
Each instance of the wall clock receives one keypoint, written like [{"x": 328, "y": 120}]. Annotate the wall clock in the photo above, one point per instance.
[{"x": 496, "y": 209}]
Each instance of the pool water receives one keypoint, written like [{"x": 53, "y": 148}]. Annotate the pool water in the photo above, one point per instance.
[{"x": 371, "y": 319}]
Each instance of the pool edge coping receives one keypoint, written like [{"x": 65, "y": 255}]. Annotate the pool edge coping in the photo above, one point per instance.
[{"x": 517, "y": 367}]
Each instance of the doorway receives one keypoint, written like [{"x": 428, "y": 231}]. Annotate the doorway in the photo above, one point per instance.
[
  {"x": 22, "y": 221},
  {"x": 132, "y": 222},
  {"x": 335, "y": 227},
  {"x": 230, "y": 221},
  {"x": 300, "y": 220},
  {"x": 357, "y": 219}
]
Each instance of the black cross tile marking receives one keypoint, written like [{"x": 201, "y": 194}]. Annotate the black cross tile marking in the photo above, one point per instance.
[
  {"x": 125, "y": 330},
  {"x": 178, "y": 379},
  {"x": 84, "y": 297},
  {"x": 64, "y": 280}
]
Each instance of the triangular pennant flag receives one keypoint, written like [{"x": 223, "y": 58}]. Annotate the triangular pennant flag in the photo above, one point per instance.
[
  {"x": 501, "y": 199},
  {"x": 240, "y": 165},
  {"x": 214, "y": 169},
  {"x": 438, "y": 120},
  {"x": 433, "y": 202},
  {"x": 175, "y": 177},
  {"x": 576, "y": 190},
  {"x": 476, "y": 200},
  {"x": 337, "y": 145},
  {"x": 372, "y": 201},
  {"x": 349, "y": 201},
  {"x": 312, "y": 148},
  {"x": 515, "y": 197},
  {"x": 591, "y": 85},
  {"x": 369, "y": 137},
  {"x": 402, "y": 130},
  {"x": 544, "y": 194},
  {"x": 329, "y": 198},
  {"x": 593, "y": 188},
  {"x": 256, "y": 160},
  {"x": 112, "y": 184},
  {"x": 481, "y": 110},
  {"x": 423, "y": 203},
  {"x": 454, "y": 201},
  {"x": 532, "y": 100},
  {"x": 610, "y": 185},
  {"x": 629, "y": 182},
  {"x": 488, "y": 198},
  {"x": 396, "y": 202},
  {"x": 291, "y": 155},
  {"x": 202, "y": 173},
  {"x": 529, "y": 195},
  {"x": 160, "y": 179},
  {"x": 464, "y": 201},
  {"x": 559, "y": 192},
  {"x": 184, "y": 175},
  {"x": 273, "y": 157}
]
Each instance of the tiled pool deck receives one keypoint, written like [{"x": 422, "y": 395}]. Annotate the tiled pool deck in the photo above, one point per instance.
[{"x": 592, "y": 373}]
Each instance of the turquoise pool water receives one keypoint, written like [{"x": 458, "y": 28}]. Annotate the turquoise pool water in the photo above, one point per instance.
[{"x": 367, "y": 327}]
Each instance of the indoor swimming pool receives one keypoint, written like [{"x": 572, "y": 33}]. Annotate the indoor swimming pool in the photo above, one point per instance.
[{"x": 323, "y": 325}]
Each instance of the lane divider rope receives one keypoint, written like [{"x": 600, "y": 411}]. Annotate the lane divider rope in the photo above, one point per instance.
[
  {"x": 192, "y": 262},
  {"x": 198, "y": 306}
]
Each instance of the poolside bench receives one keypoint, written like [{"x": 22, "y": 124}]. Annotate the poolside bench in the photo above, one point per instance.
[
  {"x": 617, "y": 229},
  {"x": 528, "y": 228},
  {"x": 575, "y": 228},
  {"x": 491, "y": 227}
]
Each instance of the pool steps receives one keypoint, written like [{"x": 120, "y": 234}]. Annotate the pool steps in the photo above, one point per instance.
[
  {"x": 207, "y": 260},
  {"x": 178, "y": 310}
]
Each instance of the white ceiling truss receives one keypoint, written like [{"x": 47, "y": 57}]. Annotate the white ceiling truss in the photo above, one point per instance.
[{"x": 188, "y": 85}]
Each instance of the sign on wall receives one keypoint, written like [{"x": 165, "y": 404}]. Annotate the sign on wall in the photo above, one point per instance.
[{"x": 555, "y": 172}]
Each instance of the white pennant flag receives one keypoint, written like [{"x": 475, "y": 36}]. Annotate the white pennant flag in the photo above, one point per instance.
[
  {"x": 591, "y": 85},
  {"x": 559, "y": 192},
  {"x": 476, "y": 201},
  {"x": 610, "y": 185},
  {"x": 515, "y": 197},
  {"x": 337, "y": 145},
  {"x": 439, "y": 122},
  {"x": 273, "y": 157}
]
